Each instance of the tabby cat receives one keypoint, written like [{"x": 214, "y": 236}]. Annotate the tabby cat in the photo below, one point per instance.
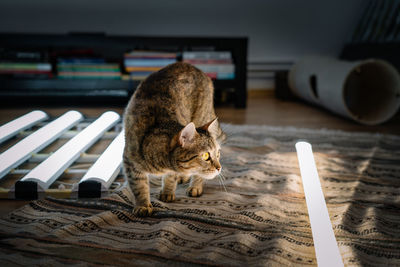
[{"x": 171, "y": 130}]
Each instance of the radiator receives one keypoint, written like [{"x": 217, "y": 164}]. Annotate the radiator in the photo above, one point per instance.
[{"x": 65, "y": 157}]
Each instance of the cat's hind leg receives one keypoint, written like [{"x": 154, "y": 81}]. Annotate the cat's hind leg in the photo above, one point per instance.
[
  {"x": 167, "y": 193},
  {"x": 141, "y": 190},
  {"x": 195, "y": 188},
  {"x": 139, "y": 182}
]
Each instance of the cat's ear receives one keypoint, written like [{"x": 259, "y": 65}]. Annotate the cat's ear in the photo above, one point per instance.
[
  {"x": 211, "y": 127},
  {"x": 187, "y": 134}
]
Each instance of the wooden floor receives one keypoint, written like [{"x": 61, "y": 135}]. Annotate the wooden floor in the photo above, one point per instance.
[{"x": 262, "y": 108}]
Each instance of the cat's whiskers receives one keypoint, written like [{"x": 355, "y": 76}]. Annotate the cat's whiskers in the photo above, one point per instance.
[
  {"x": 222, "y": 173},
  {"x": 221, "y": 179}
]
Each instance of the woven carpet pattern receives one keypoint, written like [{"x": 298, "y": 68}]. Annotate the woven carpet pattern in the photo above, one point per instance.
[{"x": 257, "y": 217}]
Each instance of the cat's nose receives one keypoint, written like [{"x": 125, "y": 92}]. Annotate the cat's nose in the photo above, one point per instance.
[{"x": 217, "y": 166}]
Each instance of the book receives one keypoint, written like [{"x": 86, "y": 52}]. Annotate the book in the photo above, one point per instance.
[
  {"x": 87, "y": 67},
  {"x": 150, "y": 62},
  {"x": 25, "y": 66},
  {"x": 216, "y": 64},
  {"x": 26, "y": 70},
  {"x": 150, "y": 54},
  {"x": 93, "y": 73},
  {"x": 225, "y": 76},
  {"x": 208, "y": 61},
  {"x": 80, "y": 60},
  {"x": 212, "y": 75},
  {"x": 141, "y": 64},
  {"x": 152, "y": 69},
  {"x": 218, "y": 71},
  {"x": 220, "y": 68},
  {"x": 207, "y": 55},
  {"x": 77, "y": 76}
]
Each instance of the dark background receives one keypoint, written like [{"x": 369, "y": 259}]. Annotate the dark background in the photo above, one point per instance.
[{"x": 279, "y": 31}]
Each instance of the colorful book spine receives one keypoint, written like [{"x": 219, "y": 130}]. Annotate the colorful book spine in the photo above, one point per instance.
[
  {"x": 207, "y": 55},
  {"x": 141, "y": 69},
  {"x": 88, "y": 77},
  {"x": 87, "y": 68},
  {"x": 25, "y": 66},
  {"x": 148, "y": 62},
  {"x": 141, "y": 64},
  {"x": 221, "y": 68},
  {"x": 80, "y": 60},
  {"x": 216, "y": 64},
  {"x": 87, "y": 73},
  {"x": 208, "y": 61},
  {"x": 150, "y": 55}
]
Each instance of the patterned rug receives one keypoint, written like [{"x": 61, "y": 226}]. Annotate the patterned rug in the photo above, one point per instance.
[{"x": 257, "y": 216}]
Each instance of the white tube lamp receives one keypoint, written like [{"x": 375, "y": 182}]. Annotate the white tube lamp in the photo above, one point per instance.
[
  {"x": 23, "y": 150},
  {"x": 26, "y": 121},
  {"x": 109, "y": 164},
  {"x": 326, "y": 248},
  {"x": 49, "y": 170}
]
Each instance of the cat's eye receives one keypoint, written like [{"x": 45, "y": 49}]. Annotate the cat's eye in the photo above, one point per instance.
[{"x": 205, "y": 156}]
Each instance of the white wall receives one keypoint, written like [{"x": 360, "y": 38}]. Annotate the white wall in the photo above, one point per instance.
[{"x": 278, "y": 30}]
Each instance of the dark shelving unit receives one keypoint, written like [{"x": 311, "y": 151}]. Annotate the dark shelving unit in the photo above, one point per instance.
[
  {"x": 112, "y": 48},
  {"x": 361, "y": 51}
]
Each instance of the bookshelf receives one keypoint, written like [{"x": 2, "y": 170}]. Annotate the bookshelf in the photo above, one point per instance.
[{"x": 112, "y": 48}]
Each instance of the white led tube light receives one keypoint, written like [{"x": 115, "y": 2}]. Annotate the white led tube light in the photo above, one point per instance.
[
  {"x": 108, "y": 166},
  {"x": 50, "y": 169},
  {"x": 26, "y": 121},
  {"x": 21, "y": 151},
  {"x": 326, "y": 248}
]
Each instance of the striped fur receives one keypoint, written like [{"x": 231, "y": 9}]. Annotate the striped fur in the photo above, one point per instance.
[{"x": 154, "y": 119}]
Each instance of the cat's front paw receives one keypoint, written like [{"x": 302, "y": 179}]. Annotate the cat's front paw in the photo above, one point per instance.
[
  {"x": 194, "y": 191},
  {"x": 143, "y": 211},
  {"x": 167, "y": 197}
]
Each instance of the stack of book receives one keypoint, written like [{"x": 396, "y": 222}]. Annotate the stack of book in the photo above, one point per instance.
[
  {"x": 24, "y": 64},
  {"x": 216, "y": 64},
  {"x": 87, "y": 68},
  {"x": 141, "y": 64}
]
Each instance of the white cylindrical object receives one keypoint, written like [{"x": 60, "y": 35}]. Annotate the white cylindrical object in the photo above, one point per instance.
[
  {"x": 108, "y": 165},
  {"x": 50, "y": 169},
  {"x": 33, "y": 143},
  {"x": 326, "y": 248},
  {"x": 26, "y": 121},
  {"x": 365, "y": 91}
]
